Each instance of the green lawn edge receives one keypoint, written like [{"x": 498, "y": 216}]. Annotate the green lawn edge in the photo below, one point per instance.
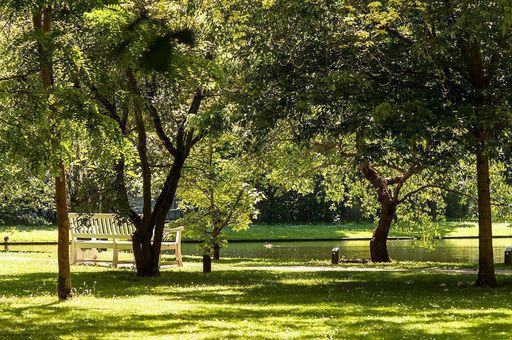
[{"x": 47, "y": 233}]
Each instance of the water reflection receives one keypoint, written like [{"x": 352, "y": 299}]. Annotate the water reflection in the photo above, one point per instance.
[{"x": 445, "y": 250}]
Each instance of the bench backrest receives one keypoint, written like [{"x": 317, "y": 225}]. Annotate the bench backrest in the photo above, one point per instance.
[
  {"x": 100, "y": 226},
  {"x": 109, "y": 226}
]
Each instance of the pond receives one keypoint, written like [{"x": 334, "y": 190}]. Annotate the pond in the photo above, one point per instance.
[{"x": 450, "y": 250}]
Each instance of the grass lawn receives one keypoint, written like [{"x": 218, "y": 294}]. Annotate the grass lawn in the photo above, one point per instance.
[
  {"x": 29, "y": 233},
  {"x": 285, "y": 231},
  {"x": 237, "y": 301},
  {"x": 48, "y": 233}
]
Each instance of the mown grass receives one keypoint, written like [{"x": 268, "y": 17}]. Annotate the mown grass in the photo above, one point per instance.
[
  {"x": 353, "y": 230},
  {"x": 48, "y": 233},
  {"x": 29, "y": 233},
  {"x": 235, "y": 301}
]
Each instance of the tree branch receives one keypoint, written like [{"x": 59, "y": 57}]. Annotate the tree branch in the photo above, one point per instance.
[
  {"x": 157, "y": 123},
  {"x": 232, "y": 210},
  {"x": 110, "y": 108},
  {"x": 427, "y": 186},
  {"x": 190, "y": 140},
  {"x": 19, "y": 76},
  {"x": 141, "y": 147}
]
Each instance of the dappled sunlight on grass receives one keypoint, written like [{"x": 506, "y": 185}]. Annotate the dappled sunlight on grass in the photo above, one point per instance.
[{"x": 234, "y": 301}]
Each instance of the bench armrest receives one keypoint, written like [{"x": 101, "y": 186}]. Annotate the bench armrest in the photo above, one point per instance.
[{"x": 173, "y": 230}]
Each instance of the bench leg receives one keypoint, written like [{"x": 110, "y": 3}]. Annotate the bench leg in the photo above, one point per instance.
[
  {"x": 94, "y": 253},
  {"x": 179, "y": 258},
  {"x": 73, "y": 253},
  {"x": 115, "y": 259}
]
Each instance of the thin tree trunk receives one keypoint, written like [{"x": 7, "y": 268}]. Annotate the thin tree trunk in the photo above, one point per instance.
[
  {"x": 64, "y": 278},
  {"x": 486, "y": 276},
  {"x": 378, "y": 243},
  {"x": 42, "y": 23}
]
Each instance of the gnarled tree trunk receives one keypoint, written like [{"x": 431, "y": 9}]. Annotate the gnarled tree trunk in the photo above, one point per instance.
[
  {"x": 378, "y": 243},
  {"x": 147, "y": 239},
  {"x": 145, "y": 259}
]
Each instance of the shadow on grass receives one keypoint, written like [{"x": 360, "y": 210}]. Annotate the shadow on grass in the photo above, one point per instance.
[
  {"x": 447, "y": 228},
  {"x": 225, "y": 302}
]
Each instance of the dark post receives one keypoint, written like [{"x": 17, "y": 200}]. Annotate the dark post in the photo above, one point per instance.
[
  {"x": 508, "y": 255},
  {"x": 335, "y": 258},
  {"x": 207, "y": 264},
  {"x": 6, "y": 243}
]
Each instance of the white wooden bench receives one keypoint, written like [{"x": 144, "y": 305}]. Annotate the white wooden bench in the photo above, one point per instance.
[{"x": 105, "y": 231}]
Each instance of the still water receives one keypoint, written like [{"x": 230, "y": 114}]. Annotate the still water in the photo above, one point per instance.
[
  {"x": 445, "y": 250},
  {"x": 465, "y": 250}
]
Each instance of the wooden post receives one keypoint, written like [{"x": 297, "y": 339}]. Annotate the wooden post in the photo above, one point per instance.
[
  {"x": 335, "y": 256},
  {"x": 508, "y": 256},
  {"x": 207, "y": 264}
]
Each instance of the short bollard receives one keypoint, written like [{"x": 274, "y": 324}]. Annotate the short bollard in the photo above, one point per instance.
[
  {"x": 335, "y": 259},
  {"x": 508, "y": 255},
  {"x": 207, "y": 264},
  {"x": 6, "y": 243}
]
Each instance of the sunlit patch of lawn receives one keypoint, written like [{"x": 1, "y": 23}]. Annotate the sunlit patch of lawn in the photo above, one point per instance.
[
  {"x": 48, "y": 233},
  {"x": 29, "y": 233},
  {"x": 353, "y": 230},
  {"x": 236, "y": 301}
]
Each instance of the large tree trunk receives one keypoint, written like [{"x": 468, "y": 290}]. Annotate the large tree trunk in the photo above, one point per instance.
[
  {"x": 486, "y": 276},
  {"x": 378, "y": 243},
  {"x": 147, "y": 253},
  {"x": 146, "y": 260},
  {"x": 42, "y": 23},
  {"x": 151, "y": 226}
]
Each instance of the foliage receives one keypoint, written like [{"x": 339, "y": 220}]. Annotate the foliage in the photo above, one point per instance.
[{"x": 217, "y": 191}]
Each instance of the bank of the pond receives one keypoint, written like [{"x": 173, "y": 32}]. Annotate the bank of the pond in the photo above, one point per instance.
[
  {"x": 275, "y": 233},
  {"x": 447, "y": 250},
  {"x": 282, "y": 240}
]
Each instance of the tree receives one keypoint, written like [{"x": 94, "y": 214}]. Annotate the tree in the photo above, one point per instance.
[
  {"x": 350, "y": 87},
  {"x": 37, "y": 48},
  {"x": 217, "y": 192},
  {"x": 159, "y": 90},
  {"x": 466, "y": 44},
  {"x": 42, "y": 22}
]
